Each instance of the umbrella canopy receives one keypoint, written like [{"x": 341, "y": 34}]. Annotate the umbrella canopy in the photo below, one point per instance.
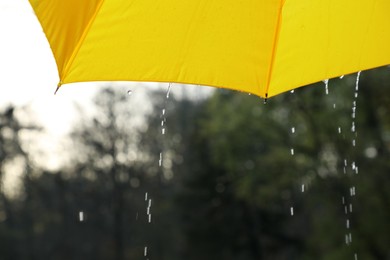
[{"x": 264, "y": 47}]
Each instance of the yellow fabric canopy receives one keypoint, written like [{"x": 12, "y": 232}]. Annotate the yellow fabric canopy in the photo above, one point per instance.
[{"x": 264, "y": 47}]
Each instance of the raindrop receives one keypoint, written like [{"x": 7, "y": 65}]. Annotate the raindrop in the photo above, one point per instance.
[
  {"x": 356, "y": 257},
  {"x": 350, "y": 207},
  {"x": 81, "y": 216},
  {"x": 292, "y": 211},
  {"x": 169, "y": 90},
  {"x": 145, "y": 250},
  {"x": 150, "y": 203},
  {"x": 345, "y": 210},
  {"x": 356, "y": 170},
  {"x": 343, "y": 200},
  {"x": 326, "y": 81},
  {"x": 339, "y": 130},
  {"x": 352, "y": 191},
  {"x": 160, "y": 160},
  {"x": 293, "y": 130},
  {"x": 150, "y": 218},
  {"x": 342, "y": 76},
  {"x": 354, "y": 142},
  {"x": 357, "y": 81},
  {"x": 292, "y": 91},
  {"x": 148, "y": 211},
  {"x": 129, "y": 92},
  {"x": 163, "y": 111},
  {"x": 347, "y": 224},
  {"x": 292, "y": 151},
  {"x": 346, "y": 239},
  {"x": 350, "y": 237},
  {"x": 303, "y": 187},
  {"x": 146, "y": 196},
  {"x": 353, "y": 127},
  {"x": 353, "y": 166},
  {"x": 345, "y": 162},
  {"x": 163, "y": 131}
]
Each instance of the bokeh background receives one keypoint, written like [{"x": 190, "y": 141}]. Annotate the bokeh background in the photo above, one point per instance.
[{"x": 158, "y": 171}]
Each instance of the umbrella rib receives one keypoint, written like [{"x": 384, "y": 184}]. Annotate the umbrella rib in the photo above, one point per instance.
[
  {"x": 80, "y": 42},
  {"x": 274, "y": 47}
]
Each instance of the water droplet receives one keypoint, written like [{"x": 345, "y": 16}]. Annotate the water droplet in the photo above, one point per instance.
[
  {"x": 342, "y": 76},
  {"x": 354, "y": 142},
  {"x": 343, "y": 200},
  {"x": 145, "y": 250},
  {"x": 350, "y": 237},
  {"x": 339, "y": 130},
  {"x": 347, "y": 224},
  {"x": 160, "y": 160},
  {"x": 169, "y": 90},
  {"x": 146, "y": 196},
  {"x": 81, "y": 216},
  {"x": 163, "y": 131},
  {"x": 129, "y": 92},
  {"x": 163, "y": 111},
  {"x": 356, "y": 170},
  {"x": 357, "y": 81},
  {"x": 292, "y": 211},
  {"x": 346, "y": 239},
  {"x": 353, "y": 166},
  {"x": 150, "y": 218},
  {"x": 350, "y": 207},
  {"x": 352, "y": 191},
  {"x": 292, "y": 91},
  {"x": 293, "y": 130},
  {"x": 345, "y": 162},
  {"x": 356, "y": 256},
  {"x": 326, "y": 81},
  {"x": 149, "y": 203},
  {"x": 334, "y": 105},
  {"x": 292, "y": 151},
  {"x": 303, "y": 187},
  {"x": 345, "y": 210}
]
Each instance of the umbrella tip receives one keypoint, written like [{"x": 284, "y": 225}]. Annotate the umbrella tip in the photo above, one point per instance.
[
  {"x": 266, "y": 98},
  {"x": 58, "y": 87}
]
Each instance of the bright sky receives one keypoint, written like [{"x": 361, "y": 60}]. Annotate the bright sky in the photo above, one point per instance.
[{"x": 28, "y": 74}]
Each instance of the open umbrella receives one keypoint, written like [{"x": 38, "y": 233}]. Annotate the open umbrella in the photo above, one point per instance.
[{"x": 264, "y": 47}]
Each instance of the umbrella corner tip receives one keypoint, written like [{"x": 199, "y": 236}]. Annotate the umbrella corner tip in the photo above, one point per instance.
[{"x": 58, "y": 87}]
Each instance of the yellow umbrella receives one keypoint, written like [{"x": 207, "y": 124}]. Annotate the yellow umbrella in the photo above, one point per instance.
[{"x": 264, "y": 47}]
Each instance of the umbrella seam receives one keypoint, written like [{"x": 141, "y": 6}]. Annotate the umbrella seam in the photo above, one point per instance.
[
  {"x": 274, "y": 47},
  {"x": 82, "y": 38}
]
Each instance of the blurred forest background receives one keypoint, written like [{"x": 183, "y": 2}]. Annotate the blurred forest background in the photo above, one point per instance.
[{"x": 305, "y": 176}]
